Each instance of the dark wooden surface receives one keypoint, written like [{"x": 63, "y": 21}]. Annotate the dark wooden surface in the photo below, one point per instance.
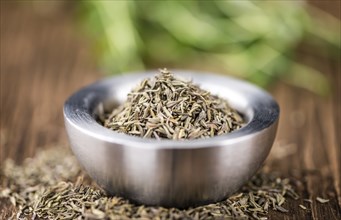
[{"x": 44, "y": 58}]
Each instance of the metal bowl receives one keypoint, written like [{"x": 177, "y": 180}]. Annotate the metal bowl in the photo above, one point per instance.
[{"x": 167, "y": 172}]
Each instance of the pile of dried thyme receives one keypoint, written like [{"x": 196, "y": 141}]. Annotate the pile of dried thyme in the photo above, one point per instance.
[
  {"x": 166, "y": 107},
  {"x": 50, "y": 186}
]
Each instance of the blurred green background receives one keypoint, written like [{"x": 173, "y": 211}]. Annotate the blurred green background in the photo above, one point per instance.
[
  {"x": 254, "y": 40},
  {"x": 251, "y": 39}
]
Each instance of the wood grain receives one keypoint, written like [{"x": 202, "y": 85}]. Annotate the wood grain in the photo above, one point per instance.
[{"x": 44, "y": 58}]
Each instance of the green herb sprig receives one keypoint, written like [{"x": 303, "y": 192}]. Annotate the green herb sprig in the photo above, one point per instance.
[{"x": 254, "y": 40}]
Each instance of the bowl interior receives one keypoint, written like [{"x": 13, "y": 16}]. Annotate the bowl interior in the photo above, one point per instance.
[
  {"x": 106, "y": 106},
  {"x": 118, "y": 95}
]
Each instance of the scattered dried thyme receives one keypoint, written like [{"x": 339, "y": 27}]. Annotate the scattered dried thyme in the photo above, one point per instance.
[
  {"x": 321, "y": 200},
  {"x": 166, "y": 107},
  {"x": 50, "y": 186}
]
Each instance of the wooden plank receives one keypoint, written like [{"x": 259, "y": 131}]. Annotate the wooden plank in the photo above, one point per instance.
[{"x": 43, "y": 62}]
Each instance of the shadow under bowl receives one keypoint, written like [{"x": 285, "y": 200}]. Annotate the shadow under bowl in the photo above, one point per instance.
[{"x": 171, "y": 173}]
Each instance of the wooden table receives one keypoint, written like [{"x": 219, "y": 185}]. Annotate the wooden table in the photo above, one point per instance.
[{"x": 44, "y": 58}]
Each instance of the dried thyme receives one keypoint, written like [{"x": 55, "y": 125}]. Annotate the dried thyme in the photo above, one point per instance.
[
  {"x": 321, "y": 200},
  {"x": 166, "y": 107},
  {"x": 303, "y": 207},
  {"x": 50, "y": 186}
]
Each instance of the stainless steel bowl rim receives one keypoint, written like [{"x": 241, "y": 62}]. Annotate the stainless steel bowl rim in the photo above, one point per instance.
[{"x": 75, "y": 110}]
